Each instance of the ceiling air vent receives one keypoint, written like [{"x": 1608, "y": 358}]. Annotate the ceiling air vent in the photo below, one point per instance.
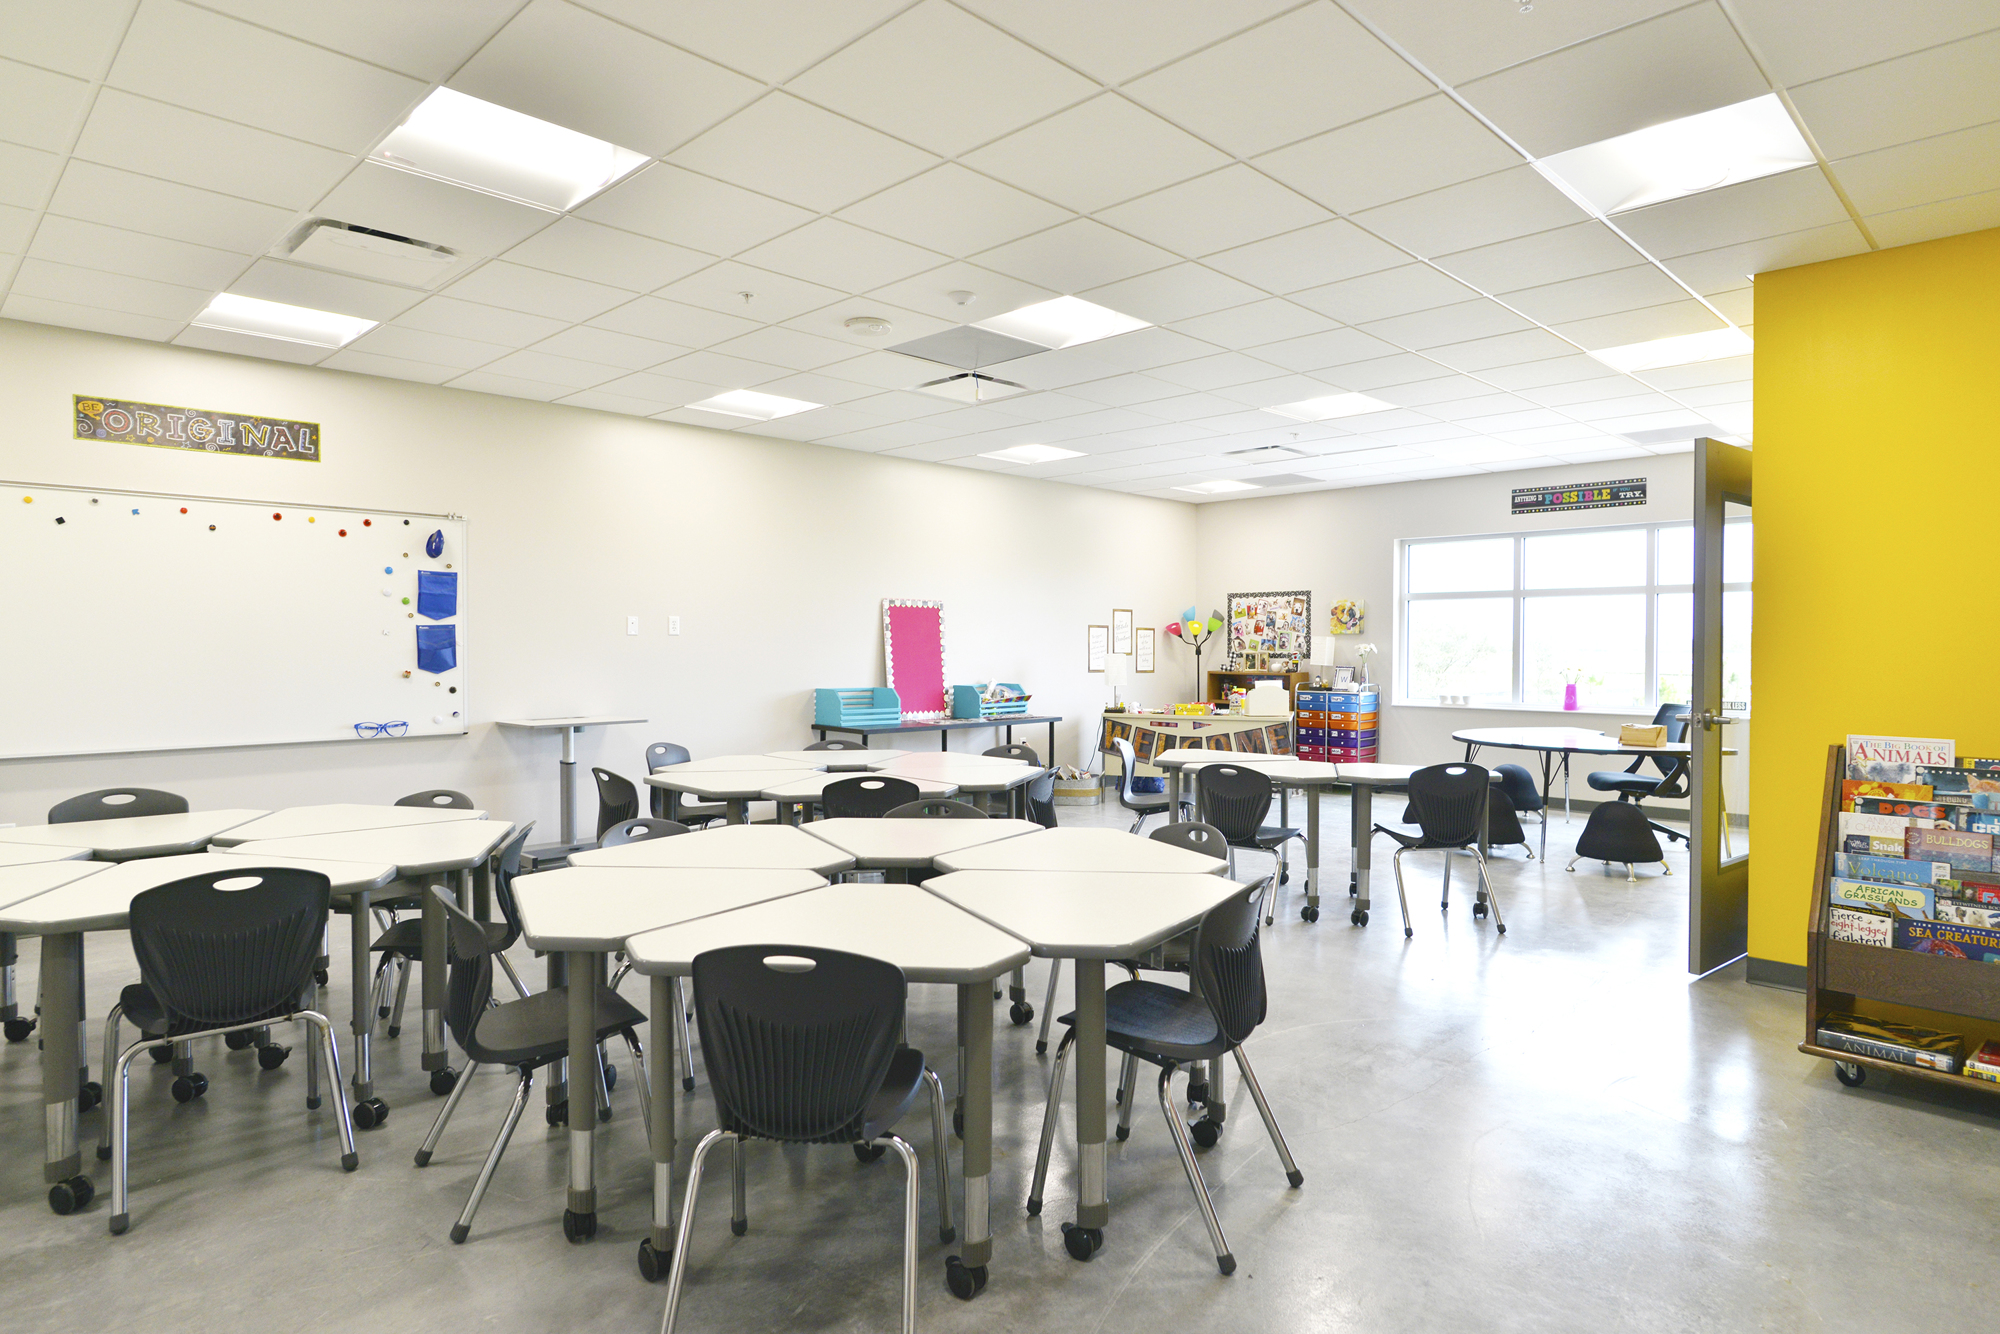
[
  {"x": 347, "y": 247},
  {"x": 972, "y": 388}
]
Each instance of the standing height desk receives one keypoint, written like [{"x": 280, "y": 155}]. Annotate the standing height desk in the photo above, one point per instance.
[
  {"x": 337, "y": 818},
  {"x": 930, "y": 941},
  {"x": 944, "y": 727},
  {"x": 23, "y": 854},
  {"x": 566, "y": 770}
]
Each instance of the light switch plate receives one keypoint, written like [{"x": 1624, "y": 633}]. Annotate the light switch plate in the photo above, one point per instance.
[
  {"x": 673, "y": 625},
  {"x": 631, "y": 625}
]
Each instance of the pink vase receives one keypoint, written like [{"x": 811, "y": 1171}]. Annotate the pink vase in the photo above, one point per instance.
[{"x": 1569, "y": 698}]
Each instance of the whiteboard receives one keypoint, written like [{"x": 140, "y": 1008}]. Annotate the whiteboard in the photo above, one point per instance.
[{"x": 138, "y": 622}]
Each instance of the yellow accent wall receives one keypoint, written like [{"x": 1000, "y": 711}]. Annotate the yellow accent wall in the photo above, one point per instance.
[{"x": 1877, "y": 497}]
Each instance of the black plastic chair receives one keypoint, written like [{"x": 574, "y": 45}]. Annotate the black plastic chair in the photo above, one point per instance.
[
  {"x": 867, "y": 796},
  {"x": 617, "y": 799},
  {"x": 1450, "y": 802},
  {"x": 439, "y": 798},
  {"x": 936, "y": 809},
  {"x": 1616, "y": 832},
  {"x": 638, "y": 831},
  {"x": 670, "y": 805},
  {"x": 839, "y": 743},
  {"x": 1235, "y": 799},
  {"x": 1503, "y": 823},
  {"x": 1141, "y": 804},
  {"x": 801, "y": 1046},
  {"x": 222, "y": 952},
  {"x": 1042, "y": 801},
  {"x": 1014, "y": 750},
  {"x": 1175, "y": 1029},
  {"x": 524, "y": 1034},
  {"x": 1671, "y": 780},
  {"x": 117, "y": 803}
]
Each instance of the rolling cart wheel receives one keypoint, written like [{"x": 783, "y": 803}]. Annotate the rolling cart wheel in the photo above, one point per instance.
[
  {"x": 579, "y": 1227},
  {"x": 965, "y": 1281},
  {"x": 1854, "y": 1076},
  {"x": 271, "y": 1057},
  {"x": 1479, "y": 910},
  {"x": 1021, "y": 1013},
  {"x": 239, "y": 1040},
  {"x": 162, "y": 1055},
  {"x": 1309, "y": 913},
  {"x": 1206, "y": 1133},
  {"x": 443, "y": 1080},
  {"x": 370, "y": 1113},
  {"x": 653, "y": 1262},
  {"x": 1083, "y": 1243},
  {"x": 90, "y": 1094},
  {"x": 66, "y": 1197},
  {"x": 189, "y": 1087},
  {"x": 558, "y": 1113},
  {"x": 17, "y": 1030},
  {"x": 1197, "y": 1094},
  {"x": 1358, "y": 917},
  {"x": 868, "y": 1153}
]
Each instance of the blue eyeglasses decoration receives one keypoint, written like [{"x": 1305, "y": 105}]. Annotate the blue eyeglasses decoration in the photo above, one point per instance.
[{"x": 373, "y": 730}]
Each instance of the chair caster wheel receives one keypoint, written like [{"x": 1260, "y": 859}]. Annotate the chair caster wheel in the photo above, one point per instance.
[
  {"x": 1197, "y": 1094},
  {"x": 162, "y": 1055},
  {"x": 868, "y": 1153},
  {"x": 1479, "y": 910},
  {"x": 965, "y": 1281},
  {"x": 1021, "y": 1013},
  {"x": 319, "y": 976},
  {"x": 1082, "y": 1242},
  {"x": 370, "y": 1113},
  {"x": 1854, "y": 1076},
  {"x": 189, "y": 1087},
  {"x": 1358, "y": 917},
  {"x": 1309, "y": 913},
  {"x": 66, "y": 1197},
  {"x": 271, "y": 1057},
  {"x": 579, "y": 1227},
  {"x": 238, "y": 1041},
  {"x": 687, "y": 1083},
  {"x": 1285, "y": 877},
  {"x": 558, "y": 1114},
  {"x": 1206, "y": 1133},
  {"x": 653, "y": 1262},
  {"x": 610, "y": 1076},
  {"x": 91, "y": 1094},
  {"x": 443, "y": 1081},
  {"x": 17, "y": 1030}
]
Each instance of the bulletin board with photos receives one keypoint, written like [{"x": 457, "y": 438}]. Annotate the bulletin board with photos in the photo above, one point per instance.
[{"x": 1270, "y": 631}]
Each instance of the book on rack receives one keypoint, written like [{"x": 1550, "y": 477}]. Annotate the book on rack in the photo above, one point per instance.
[
  {"x": 1964, "y": 849},
  {"x": 1884, "y": 826},
  {"x": 1948, "y": 940},
  {"x": 1970, "y": 887},
  {"x": 1974, "y": 820},
  {"x": 1853, "y": 790},
  {"x": 1905, "y": 1044},
  {"x": 1984, "y": 1063},
  {"x": 1861, "y": 926},
  {"x": 1913, "y": 811},
  {"x": 1896, "y": 759},
  {"x": 1959, "y": 913},
  {"x": 1969, "y": 781},
  {"x": 1871, "y": 845},
  {"x": 1890, "y": 870},
  {"x": 1901, "y": 900},
  {"x": 1971, "y": 762}
]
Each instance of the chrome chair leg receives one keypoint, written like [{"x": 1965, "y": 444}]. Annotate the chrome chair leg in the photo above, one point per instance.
[
  {"x": 436, "y": 1132},
  {"x": 1049, "y": 1122},
  {"x": 119, "y": 1116},
  {"x": 912, "y": 1201},
  {"x": 680, "y": 1006},
  {"x": 378, "y": 991},
  {"x": 1492, "y": 899},
  {"x": 110, "y": 1067},
  {"x": 1048, "y": 1007},
  {"x": 1126, "y": 1092},
  {"x": 1396, "y": 863},
  {"x": 349, "y": 1158},
  {"x": 1444, "y": 897},
  {"x": 463, "y": 1227},
  {"x": 520, "y": 987},
  {"x": 645, "y": 1086},
  {"x": 1292, "y": 1173},
  {"x": 403, "y": 971},
  {"x": 678, "y": 1274},
  {"x": 1178, "y": 1129},
  {"x": 940, "y": 1140},
  {"x": 603, "y": 1086},
  {"x": 739, "y": 1190}
]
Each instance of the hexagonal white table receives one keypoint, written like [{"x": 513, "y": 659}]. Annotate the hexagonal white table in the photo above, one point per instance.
[
  {"x": 746, "y": 847},
  {"x": 338, "y": 818}
]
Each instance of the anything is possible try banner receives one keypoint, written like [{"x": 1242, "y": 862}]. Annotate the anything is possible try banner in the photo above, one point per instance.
[
  {"x": 1580, "y": 496},
  {"x": 164, "y": 426}
]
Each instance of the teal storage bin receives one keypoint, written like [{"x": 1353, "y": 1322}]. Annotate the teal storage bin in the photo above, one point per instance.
[{"x": 862, "y": 706}]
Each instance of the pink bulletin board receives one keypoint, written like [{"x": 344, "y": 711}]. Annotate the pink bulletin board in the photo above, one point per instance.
[{"x": 913, "y": 643}]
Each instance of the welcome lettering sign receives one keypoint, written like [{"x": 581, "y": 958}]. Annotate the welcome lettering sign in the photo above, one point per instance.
[{"x": 164, "y": 426}]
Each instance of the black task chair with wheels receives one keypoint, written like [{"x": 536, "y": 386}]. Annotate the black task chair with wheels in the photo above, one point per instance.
[
  {"x": 439, "y": 798},
  {"x": 638, "y": 831},
  {"x": 1449, "y": 801},
  {"x": 802, "y": 1047},
  {"x": 617, "y": 799},
  {"x": 1236, "y": 798},
  {"x": 1014, "y": 750},
  {"x": 936, "y": 809},
  {"x": 117, "y": 803},
  {"x": 867, "y": 796},
  {"x": 222, "y": 952},
  {"x": 1670, "y": 781},
  {"x": 665, "y": 806},
  {"x": 1176, "y": 1029},
  {"x": 522, "y": 1034},
  {"x": 1141, "y": 804}
]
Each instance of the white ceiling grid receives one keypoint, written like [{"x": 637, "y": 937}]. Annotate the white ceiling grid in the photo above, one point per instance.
[{"x": 1306, "y": 198}]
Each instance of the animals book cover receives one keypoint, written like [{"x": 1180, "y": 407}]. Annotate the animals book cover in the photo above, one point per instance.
[{"x": 1896, "y": 759}]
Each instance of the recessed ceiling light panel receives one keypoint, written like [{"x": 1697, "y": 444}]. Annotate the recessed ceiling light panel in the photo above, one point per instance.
[
  {"x": 1064, "y": 321},
  {"x": 1033, "y": 454},
  {"x": 468, "y": 142},
  {"x": 1682, "y": 351},
  {"x": 274, "y": 319},
  {"x": 1330, "y": 407},
  {"x": 750, "y": 404},
  {"x": 1220, "y": 486},
  {"x": 1683, "y": 157}
]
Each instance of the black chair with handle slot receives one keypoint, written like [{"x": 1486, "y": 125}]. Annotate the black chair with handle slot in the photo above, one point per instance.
[
  {"x": 1449, "y": 801},
  {"x": 936, "y": 808},
  {"x": 440, "y": 799},
  {"x": 1670, "y": 781},
  {"x": 1042, "y": 800},
  {"x": 670, "y": 805},
  {"x": 1235, "y": 799},
  {"x": 1014, "y": 750},
  {"x": 639, "y": 830},
  {"x": 117, "y": 803},
  {"x": 867, "y": 796},
  {"x": 1141, "y": 804},
  {"x": 617, "y": 799}
]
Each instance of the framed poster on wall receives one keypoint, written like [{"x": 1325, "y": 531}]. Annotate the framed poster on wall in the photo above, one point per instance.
[
  {"x": 1142, "y": 649},
  {"x": 1264, "y": 626},
  {"x": 1121, "y": 629},
  {"x": 1097, "y": 647}
]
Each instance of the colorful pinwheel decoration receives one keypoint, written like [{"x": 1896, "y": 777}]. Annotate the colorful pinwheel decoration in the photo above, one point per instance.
[{"x": 1191, "y": 630}]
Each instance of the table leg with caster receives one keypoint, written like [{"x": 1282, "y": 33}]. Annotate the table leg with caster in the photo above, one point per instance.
[
  {"x": 15, "y": 1027},
  {"x": 1364, "y": 823},
  {"x": 965, "y": 1273},
  {"x": 1085, "y": 1237},
  {"x": 1310, "y": 912},
  {"x": 369, "y": 1110},
  {"x": 657, "y": 1249},
  {"x": 437, "y": 1054},
  {"x": 556, "y": 1095},
  {"x": 580, "y": 1214},
  {"x": 62, "y": 1161}
]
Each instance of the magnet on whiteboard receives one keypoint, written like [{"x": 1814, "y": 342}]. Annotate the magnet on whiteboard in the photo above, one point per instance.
[
  {"x": 135, "y": 511},
  {"x": 434, "y": 544},
  {"x": 406, "y": 671},
  {"x": 406, "y": 602},
  {"x": 387, "y": 594},
  {"x": 386, "y": 632},
  {"x": 437, "y": 718},
  {"x": 388, "y": 569}
]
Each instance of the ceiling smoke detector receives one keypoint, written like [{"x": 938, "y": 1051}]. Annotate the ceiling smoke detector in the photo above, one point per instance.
[{"x": 869, "y": 326}]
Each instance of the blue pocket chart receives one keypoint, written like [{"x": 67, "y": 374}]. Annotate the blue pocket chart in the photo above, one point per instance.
[
  {"x": 437, "y": 594},
  {"x": 437, "y": 647}
]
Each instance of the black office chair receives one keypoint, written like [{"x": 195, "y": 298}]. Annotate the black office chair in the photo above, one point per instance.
[
  {"x": 225, "y": 951},
  {"x": 439, "y": 798},
  {"x": 1449, "y": 801},
  {"x": 1173, "y": 1029},
  {"x": 802, "y": 1047},
  {"x": 1635, "y": 787},
  {"x": 838, "y": 743},
  {"x": 1042, "y": 801},
  {"x": 1235, "y": 800},
  {"x": 937, "y": 809},
  {"x": 638, "y": 831},
  {"x": 670, "y": 805},
  {"x": 1141, "y": 804},
  {"x": 1616, "y": 832},
  {"x": 525, "y": 1034},
  {"x": 867, "y": 796},
  {"x": 117, "y": 803},
  {"x": 617, "y": 799},
  {"x": 1014, "y": 750}
]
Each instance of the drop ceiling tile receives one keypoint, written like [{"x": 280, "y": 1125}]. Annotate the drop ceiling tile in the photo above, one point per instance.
[
  {"x": 1478, "y": 318},
  {"x": 1568, "y": 433},
  {"x": 76, "y": 38},
  {"x": 1927, "y": 222},
  {"x": 1298, "y": 75},
  {"x": 789, "y": 349},
  {"x": 1410, "y": 150},
  {"x": 1625, "y": 406},
  {"x": 876, "y": 439},
  {"x": 1730, "y": 267},
  {"x": 1540, "y": 375},
  {"x": 316, "y": 289},
  {"x": 1253, "y": 324},
  {"x": 841, "y": 256},
  {"x": 1948, "y": 166},
  {"x": 39, "y": 107},
  {"x": 724, "y": 372},
  {"x": 1504, "y": 350},
  {"x": 955, "y": 211},
  {"x": 1381, "y": 372},
  {"x": 1520, "y": 420},
  {"x": 481, "y": 323},
  {"x": 197, "y": 59},
  {"x": 426, "y": 42},
  {"x": 1507, "y": 204},
  {"x": 1574, "y": 251},
  {"x": 1336, "y": 347},
  {"x": 720, "y": 421},
  {"x": 1772, "y": 206},
  {"x": 1653, "y": 421},
  {"x": 1912, "y": 97},
  {"x": 27, "y": 175},
  {"x": 1675, "y": 65},
  {"x": 1737, "y": 393},
  {"x": 1214, "y": 372},
  {"x": 509, "y": 386},
  {"x": 1231, "y": 207},
  {"x": 173, "y": 143},
  {"x": 91, "y": 245},
  {"x": 1460, "y": 42},
  {"x": 1114, "y": 40},
  {"x": 810, "y": 387},
  {"x": 553, "y": 295},
  {"x": 939, "y": 78},
  {"x": 671, "y": 204},
  {"x": 548, "y": 368},
  {"x": 1599, "y": 294},
  {"x": 672, "y": 322},
  {"x": 1443, "y": 389},
  {"x": 883, "y": 370},
  {"x": 1119, "y": 391},
  {"x": 1063, "y": 158},
  {"x": 1179, "y": 292},
  {"x": 1273, "y": 391},
  {"x": 831, "y": 322},
  {"x": 1390, "y": 292},
  {"x": 1593, "y": 389},
  {"x": 1460, "y": 410},
  {"x": 1310, "y": 257},
  {"x": 245, "y": 345},
  {"x": 600, "y": 401},
  {"x": 362, "y": 362},
  {"x": 1140, "y": 350},
  {"x": 40, "y": 310},
  {"x": 660, "y": 390},
  {"x": 406, "y": 204},
  {"x": 607, "y": 348},
  {"x": 1065, "y": 366},
  {"x": 1076, "y": 257},
  {"x": 816, "y": 424},
  {"x": 769, "y": 40},
  {"x": 580, "y": 70},
  {"x": 113, "y": 291},
  {"x": 902, "y": 406},
  {"x": 1670, "y": 320},
  {"x": 16, "y": 226},
  {"x": 795, "y": 151},
  {"x": 401, "y": 343},
  {"x": 1191, "y": 407},
  {"x": 771, "y": 297},
  {"x": 1801, "y": 44},
  {"x": 930, "y": 294},
  {"x": 607, "y": 255}
]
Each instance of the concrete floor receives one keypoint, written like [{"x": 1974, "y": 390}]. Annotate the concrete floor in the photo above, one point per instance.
[{"x": 1558, "y": 1130}]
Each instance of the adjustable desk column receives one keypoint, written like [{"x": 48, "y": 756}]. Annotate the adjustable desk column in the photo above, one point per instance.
[{"x": 566, "y": 768}]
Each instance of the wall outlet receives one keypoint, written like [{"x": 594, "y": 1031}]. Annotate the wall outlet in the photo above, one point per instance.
[
  {"x": 673, "y": 625},
  {"x": 631, "y": 625}
]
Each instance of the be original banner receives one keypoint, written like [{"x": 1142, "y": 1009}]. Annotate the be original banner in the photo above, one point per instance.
[{"x": 166, "y": 427}]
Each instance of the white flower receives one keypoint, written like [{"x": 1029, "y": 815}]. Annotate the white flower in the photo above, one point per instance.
[{"x": 1364, "y": 650}]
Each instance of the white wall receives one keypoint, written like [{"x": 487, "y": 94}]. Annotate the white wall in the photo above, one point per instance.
[{"x": 775, "y": 555}]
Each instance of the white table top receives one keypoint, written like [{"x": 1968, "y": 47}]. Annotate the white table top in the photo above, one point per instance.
[
  {"x": 748, "y": 847},
  {"x": 725, "y": 785},
  {"x": 968, "y": 778},
  {"x": 595, "y": 908},
  {"x": 839, "y": 759},
  {"x": 423, "y": 849},
  {"x": 339, "y": 818},
  {"x": 1576, "y": 739},
  {"x": 882, "y": 844},
  {"x": 807, "y": 787},
  {"x": 929, "y": 760},
  {"x": 1085, "y": 915},
  {"x": 103, "y": 902},
  {"x": 1296, "y": 772},
  {"x": 25, "y": 882},
  {"x": 1081, "y": 850},
  {"x": 929, "y": 939},
  {"x": 735, "y": 764},
  {"x": 1187, "y": 757},
  {"x": 1388, "y": 775},
  {"x": 135, "y": 835},
  {"x": 28, "y": 854},
  {"x": 564, "y": 724}
]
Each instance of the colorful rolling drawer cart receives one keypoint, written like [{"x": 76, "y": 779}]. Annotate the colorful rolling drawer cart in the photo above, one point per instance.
[{"x": 1339, "y": 726}]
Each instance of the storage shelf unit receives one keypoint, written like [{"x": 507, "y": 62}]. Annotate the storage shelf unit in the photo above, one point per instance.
[
  {"x": 1339, "y": 725},
  {"x": 1220, "y": 683}
]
